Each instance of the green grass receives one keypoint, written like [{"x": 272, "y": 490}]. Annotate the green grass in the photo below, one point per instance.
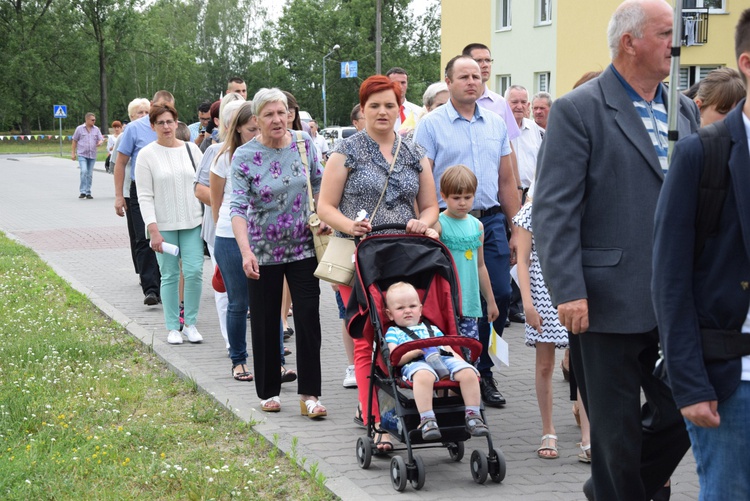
[
  {"x": 44, "y": 147},
  {"x": 86, "y": 412}
]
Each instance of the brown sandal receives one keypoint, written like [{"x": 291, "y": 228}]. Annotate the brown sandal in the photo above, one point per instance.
[{"x": 243, "y": 375}]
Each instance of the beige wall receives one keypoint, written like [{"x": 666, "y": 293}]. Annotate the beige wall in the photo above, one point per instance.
[
  {"x": 581, "y": 40},
  {"x": 574, "y": 44},
  {"x": 525, "y": 49},
  {"x": 463, "y": 22},
  {"x": 720, "y": 46}
]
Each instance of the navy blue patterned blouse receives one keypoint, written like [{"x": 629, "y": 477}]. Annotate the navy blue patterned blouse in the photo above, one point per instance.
[{"x": 368, "y": 172}]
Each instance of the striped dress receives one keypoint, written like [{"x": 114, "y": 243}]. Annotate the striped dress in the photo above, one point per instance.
[{"x": 552, "y": 330}]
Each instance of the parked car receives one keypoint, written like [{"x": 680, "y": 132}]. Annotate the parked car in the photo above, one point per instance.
[
  {"x": 336, "y": 134},
  {"x": 304, "y": 116}
]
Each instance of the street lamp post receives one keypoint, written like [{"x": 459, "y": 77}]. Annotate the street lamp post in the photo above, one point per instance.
[{"x": 325, "y": 111}]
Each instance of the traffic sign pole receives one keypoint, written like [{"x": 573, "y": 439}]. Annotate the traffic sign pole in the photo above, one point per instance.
[{"x": 60, "y": 111}]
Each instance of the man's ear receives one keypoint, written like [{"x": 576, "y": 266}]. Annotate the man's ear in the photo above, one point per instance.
[
  {"x": 626, "y": 44},
  {"x": 743, "y": 64},
  {"x": 698, "y": 102}
]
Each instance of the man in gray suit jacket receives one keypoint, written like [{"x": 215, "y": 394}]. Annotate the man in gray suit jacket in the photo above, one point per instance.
[{"x": 599, "y": 173}]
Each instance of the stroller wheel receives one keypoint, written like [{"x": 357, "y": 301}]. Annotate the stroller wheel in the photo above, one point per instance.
[
  {"x": 497, "y": 466},
  {"x": 418, "y": 473},
  {"x": 479, "y": 467},
  {"x": 364, "y": 452},
  {"x": 398, "y": 473},
  {"x": 456, "y": 451}
]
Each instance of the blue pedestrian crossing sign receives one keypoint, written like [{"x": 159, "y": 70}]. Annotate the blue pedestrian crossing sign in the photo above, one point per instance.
[{"x": 60, "y": 111}]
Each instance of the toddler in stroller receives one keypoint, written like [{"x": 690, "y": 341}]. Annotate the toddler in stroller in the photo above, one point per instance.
[
  {"x": 431, "y": 304},
  {"x": 425, "y": 366}
]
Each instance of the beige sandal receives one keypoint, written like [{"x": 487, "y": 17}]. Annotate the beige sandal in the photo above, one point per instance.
[
  {"x": 307, "y": 408},
  {"x": 547, "y": 445},
  {"x": 267, "y": 404},
  {"x": 585, "y": 455}
]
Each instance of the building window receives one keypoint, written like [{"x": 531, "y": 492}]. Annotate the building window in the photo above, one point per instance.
[
  {"x": 713, "y": 6},
  {"x": 503, "y": 21},
  {"x": 542, "y": 81},
  {"x": 690, "y": 75},
  {"x": 543, "y": 12},
  {"x": 502, "y": 82}
]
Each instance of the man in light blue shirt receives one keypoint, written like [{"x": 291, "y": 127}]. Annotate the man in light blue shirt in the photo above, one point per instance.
[
  {"x": 461, "y": 132},
  {"x": 137, "y": 135}
]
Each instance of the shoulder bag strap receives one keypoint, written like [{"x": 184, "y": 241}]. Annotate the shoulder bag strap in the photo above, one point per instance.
[
  {"x": 303, "y": 154},
  {"x": 190, "y": 154},
  {"x": 393, "y": 162},
  {"x": 714, "y": 183}
]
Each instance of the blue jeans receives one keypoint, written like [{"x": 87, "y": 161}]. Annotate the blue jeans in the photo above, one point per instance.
[
  {"x": 497, "y": 259},
  {"x": 191, "y": 255},
  {"x": 87, "y": 172},
  {"x": 229, "y": 259},
  {"x": 721, "y": 453}
]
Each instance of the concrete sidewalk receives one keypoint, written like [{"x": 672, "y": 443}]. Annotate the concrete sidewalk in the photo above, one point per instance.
[{"x": 87, "y": 244}]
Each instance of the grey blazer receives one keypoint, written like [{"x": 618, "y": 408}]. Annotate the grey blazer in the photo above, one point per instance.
[{"x": 598, "y": 180}]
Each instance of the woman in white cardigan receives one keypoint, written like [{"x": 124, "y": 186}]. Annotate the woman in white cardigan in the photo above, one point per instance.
[{"x": 164, "y": 172}]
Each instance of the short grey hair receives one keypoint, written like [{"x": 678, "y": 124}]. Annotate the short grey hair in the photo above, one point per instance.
[
  {"x": 516, "y": 87},
  {"x": 543, "y": 95},
  {"x": 267, "y": 96},
  {"x": 428, "y": 98},
  {"x": 630, "y": 17},
  {"x": 136, "y": 104}
]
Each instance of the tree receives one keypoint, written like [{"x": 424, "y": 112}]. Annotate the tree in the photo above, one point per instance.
[
  {"x": 308, "y": 29},
  {"x": 23, "y": 22}
]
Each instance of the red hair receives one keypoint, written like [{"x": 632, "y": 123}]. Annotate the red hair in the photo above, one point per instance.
[{"x": 375, "y": 84}]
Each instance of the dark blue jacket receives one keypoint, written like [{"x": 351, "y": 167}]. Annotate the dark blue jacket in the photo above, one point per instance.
[{"x": 712, "y": 292}]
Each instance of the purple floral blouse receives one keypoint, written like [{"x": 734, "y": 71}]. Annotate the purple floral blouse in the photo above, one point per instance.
[{"x": 270, "y": 193}]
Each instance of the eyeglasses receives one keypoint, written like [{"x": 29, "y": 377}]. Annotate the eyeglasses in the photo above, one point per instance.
[
  {"x": 484, "y": 61},
  {"x": 165, "y": 123}
]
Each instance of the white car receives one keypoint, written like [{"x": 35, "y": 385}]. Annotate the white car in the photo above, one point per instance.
[{"x": 336, "y": 134}]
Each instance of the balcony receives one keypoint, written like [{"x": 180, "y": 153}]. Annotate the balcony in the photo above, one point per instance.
[{"x": 695, "y": 27}]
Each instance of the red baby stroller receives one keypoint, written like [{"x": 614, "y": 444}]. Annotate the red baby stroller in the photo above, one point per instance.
[{"x": 382, "y": 260}]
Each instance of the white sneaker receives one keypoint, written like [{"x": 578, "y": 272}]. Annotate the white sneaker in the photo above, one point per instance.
[
  {"x": 174, "y": 337},
  {"x": 192, "y": 334},
  {"x": 349, "y": 380}
]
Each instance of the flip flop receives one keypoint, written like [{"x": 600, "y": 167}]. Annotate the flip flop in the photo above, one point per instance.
[{"x": 287, "y": 376}]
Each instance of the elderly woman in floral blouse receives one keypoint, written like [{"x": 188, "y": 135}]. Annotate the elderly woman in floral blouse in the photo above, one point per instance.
[{"x": 269, "y": 211}]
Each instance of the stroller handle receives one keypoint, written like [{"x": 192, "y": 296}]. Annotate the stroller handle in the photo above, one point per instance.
[
  {"x": 391, "y": 226},
  {"x": 381, "y": 227}
]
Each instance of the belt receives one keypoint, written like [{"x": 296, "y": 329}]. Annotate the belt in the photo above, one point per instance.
[
  {"x": 724, "y": 345},
  {"x": 486, "y": 212}
]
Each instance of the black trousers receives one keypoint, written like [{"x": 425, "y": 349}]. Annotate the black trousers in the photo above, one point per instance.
[
  {"x": 636, "y": 449},
  {"x": 145, "y": 258},
  {"x": 265, "y": 322}
]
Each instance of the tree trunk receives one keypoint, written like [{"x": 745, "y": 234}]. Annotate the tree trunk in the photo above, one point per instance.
[{"x": 103, "y": 100}]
